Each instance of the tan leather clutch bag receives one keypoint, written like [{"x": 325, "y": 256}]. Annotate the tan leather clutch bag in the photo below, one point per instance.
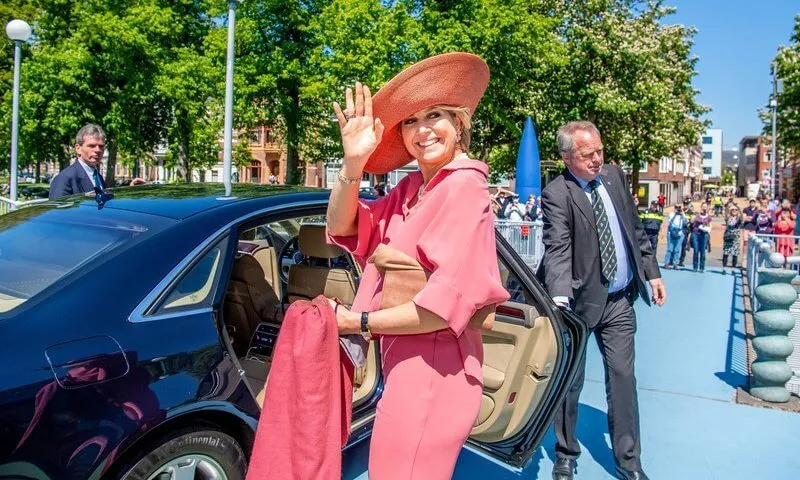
[{"x": 404, "y": 277}]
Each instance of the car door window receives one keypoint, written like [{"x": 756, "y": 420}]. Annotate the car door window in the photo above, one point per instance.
[{"x": 198, "y": 284}]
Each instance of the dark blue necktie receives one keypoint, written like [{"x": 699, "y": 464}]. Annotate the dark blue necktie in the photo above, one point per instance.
[
  {"x": 608, "y": 252},
  {"x": 98, "y": 182}
]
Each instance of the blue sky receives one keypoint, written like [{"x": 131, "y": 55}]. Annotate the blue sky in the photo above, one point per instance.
[{"x": 735, "y": 42}]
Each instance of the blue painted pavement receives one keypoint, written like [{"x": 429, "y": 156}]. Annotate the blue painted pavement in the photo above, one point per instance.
[{"x": 690, "y": 357}]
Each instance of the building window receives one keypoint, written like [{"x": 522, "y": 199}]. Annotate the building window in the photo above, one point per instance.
[
  {"x": 707, "y": 170},
  {"x": 255, "y": 136},
  {"x": 706, "y": 155},
  {"x": 644, "y": 167},
  {"x": 708, "y": 140},
  {"x": 255, "y": 172},
  {"x": 214, "y": 176},
  {"x": 664, "y": 165}
]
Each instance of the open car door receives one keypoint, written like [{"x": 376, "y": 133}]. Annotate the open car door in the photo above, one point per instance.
[{"x": 531, "y": 356}]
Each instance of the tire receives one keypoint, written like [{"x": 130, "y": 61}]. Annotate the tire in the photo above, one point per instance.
[{"x": 211, "y": 454}]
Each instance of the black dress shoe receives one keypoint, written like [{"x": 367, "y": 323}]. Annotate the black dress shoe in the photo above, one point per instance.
[
  {"x": 564, "y": 469},
  {"x": 629, "y": 475}
]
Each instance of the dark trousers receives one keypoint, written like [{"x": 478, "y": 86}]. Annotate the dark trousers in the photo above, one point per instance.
[
  {"x": 699, "y": 245},
  {"x": 614, "y": 334},
  {"x": 685, "y": 246}
]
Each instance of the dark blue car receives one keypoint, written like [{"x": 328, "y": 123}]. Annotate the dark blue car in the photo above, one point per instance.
[{"x": 136, "y": 334}]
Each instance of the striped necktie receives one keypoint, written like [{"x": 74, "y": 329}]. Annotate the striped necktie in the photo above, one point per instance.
[{"x": 608, "y": 253}]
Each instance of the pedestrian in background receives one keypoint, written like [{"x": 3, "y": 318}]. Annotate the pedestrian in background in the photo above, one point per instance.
[
  {"x": 515, "y": 212},
  {"x": 688, "y": 211},
  {"x": 652, "y": 220},
  {"x": 717, "y": 205},
  {"x": 732, "y": 238},
  {"x": 83, "y": 176},
  {"x": 785, "y": 226},
  {"x": 701, "y": 231},
  {"x": 763, "y": 223},
  {"x": 675, "y": 235},
  {"x": 662, "y": 202}
]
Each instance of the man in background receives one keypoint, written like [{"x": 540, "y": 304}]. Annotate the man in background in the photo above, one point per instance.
[
  {"x": 84, "y": 174},
  {"x": 652, "y": 220}
]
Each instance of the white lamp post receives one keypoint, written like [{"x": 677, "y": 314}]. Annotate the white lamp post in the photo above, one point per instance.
[
  {"x": 227, "y": 149},
  {"x": 18, "y": 31}
]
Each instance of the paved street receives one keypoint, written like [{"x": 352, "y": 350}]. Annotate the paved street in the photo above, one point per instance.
[{"x": 690, "y": 359}]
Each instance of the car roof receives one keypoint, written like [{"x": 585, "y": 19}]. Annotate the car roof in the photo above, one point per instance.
[{"x": 180, "y": 201}]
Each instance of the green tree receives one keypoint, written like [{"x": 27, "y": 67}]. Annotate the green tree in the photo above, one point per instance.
[
  {"x": 788, "y": 63},
  {"x": 728, "y": 178},
  {"x": 96, "y": 62},
  {"x": 631, "y": 73},
  {"x": 190, "y": 84}
]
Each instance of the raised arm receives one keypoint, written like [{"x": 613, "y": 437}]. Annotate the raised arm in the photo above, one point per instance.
[{"x": 361, "y": 135}]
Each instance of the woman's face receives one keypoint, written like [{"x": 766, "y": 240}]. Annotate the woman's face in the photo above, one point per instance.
[
  {"x": 430, "y": 136},
  {"x": 704, "y": 208},
  {"x": 785, "y": 205}
]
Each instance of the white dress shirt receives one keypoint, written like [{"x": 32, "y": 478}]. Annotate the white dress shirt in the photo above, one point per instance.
[{"x": 89, "y": 173}]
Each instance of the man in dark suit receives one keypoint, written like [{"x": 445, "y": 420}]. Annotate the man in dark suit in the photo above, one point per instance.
[
  {"x": 84, "y": 174},
  {"x": 597, "y": 260}
]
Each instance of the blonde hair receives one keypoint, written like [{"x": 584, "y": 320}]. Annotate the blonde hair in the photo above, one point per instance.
[{"x": 465, "y": 119}]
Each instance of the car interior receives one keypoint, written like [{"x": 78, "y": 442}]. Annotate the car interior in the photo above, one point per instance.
[{"x": 285, "y": 260}]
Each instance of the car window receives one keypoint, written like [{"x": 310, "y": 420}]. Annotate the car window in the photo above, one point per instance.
[
  {"x": 197, "y": 286},
  {"x": 512, "y": 283},
  {"x": 40, "y": 245}
]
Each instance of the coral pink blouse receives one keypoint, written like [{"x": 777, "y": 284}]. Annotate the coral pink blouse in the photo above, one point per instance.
[{"x": 450, "y": 231}]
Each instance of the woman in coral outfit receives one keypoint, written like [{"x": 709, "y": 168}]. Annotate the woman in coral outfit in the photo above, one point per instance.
[{"x": 442, "y": 217}]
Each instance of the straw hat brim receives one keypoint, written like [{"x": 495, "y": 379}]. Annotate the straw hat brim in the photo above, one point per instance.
[{"x": 456, "y": 79}]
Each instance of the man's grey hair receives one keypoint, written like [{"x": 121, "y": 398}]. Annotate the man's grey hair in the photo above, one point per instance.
[
  {"x": 89, "y": 130},
  {"x": 566, "y": 134}
]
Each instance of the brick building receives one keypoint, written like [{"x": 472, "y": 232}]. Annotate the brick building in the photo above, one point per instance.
[
  {"x": 674, "y": 177},
  {"x": 754, "y": 163}
]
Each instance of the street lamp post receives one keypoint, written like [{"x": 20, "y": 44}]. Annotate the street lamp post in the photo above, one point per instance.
[
  {"x": 227, "y": 149},
  {"x": 18, "y": 31},
  {"x": 777, "y": 87}
]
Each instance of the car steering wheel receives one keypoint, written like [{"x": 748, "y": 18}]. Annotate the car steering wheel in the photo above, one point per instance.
[{"x": 289, "y": 251}]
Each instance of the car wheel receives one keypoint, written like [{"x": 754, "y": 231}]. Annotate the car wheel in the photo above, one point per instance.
[{"x": 196, "y": 455}]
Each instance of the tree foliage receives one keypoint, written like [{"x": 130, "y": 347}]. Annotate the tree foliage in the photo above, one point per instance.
[
  {"x": 631, "y": 74},
  {"x": 152, "y": 72},
  {"x": 788, "y": 63}
]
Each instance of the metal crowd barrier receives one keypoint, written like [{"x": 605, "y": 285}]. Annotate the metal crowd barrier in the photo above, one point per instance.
[
  {"x": 7, "y": 205},
  {"x": 525, "y": 238},
  {"x": 760, "y": 254}
]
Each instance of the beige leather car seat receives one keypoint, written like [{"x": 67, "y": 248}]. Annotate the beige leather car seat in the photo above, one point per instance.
[
  {"x": 249, "y": 300},
  {"x": 268, "y": 260},
  {"x": 307, "y": 282}
]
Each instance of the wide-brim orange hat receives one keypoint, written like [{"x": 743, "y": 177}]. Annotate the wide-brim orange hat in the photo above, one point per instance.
[{"x": 456, "y": 79}]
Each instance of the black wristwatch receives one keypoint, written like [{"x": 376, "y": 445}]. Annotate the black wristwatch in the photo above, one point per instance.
[{"x": 365, "y": 331}]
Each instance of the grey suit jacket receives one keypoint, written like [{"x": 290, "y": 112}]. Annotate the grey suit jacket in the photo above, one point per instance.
[
  {"x": 571, "y": 263},
  {"x": 70, "y": 181}
]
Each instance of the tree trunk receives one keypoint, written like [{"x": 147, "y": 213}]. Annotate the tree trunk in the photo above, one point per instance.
[
  {"x": 184, "y": 137},
  {"x": 38, "y": 172},
  {"x": 293, "y": 169},
  {"x": 635, "y": 179},
  {"x": 111, "y": 144}
]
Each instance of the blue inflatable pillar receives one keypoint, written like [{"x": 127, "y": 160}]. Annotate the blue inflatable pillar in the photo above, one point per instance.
[{"x": 529, "y": 173}]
